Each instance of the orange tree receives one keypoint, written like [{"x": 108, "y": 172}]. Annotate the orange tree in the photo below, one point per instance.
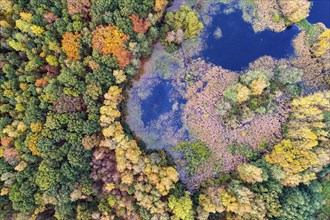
[
  {"x": 139, "y": 25},
  {"x": 70, "y": 45},
  {"x": 109, "y": 40}
]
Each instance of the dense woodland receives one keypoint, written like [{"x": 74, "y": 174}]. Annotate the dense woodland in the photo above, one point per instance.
[{"x": 67, "y": 153}]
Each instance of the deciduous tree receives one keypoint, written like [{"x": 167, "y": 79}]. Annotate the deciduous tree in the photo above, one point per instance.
[
  {"x": 250, "y": 173},
  {"x": 140, "y": 25},
  {"x": 78, "y": 6},
  {"x": 71, "y": 44},
  {"x": 295, "y": 10},
  {"x": 110, "y": 40}
]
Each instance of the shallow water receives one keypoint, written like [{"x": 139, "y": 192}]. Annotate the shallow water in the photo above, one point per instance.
[
  {"x": 320, "y": 12},
  {"x": 157, "y": 103},
  {"x": 240, "y": 45}
]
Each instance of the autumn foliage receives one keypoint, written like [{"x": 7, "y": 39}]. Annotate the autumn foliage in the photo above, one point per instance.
[
  {"x": 50, "y": 17},
  {"x": 78, "y": 6},
  {"x": 139, "y": 25},
  {"x": 109, "y": 40},
  {"x": 70, "y": 45},
  {"x": 250, "y": 173},
  {"x": 154, "y": 180},
  {"x": 42, "y": 82},
  {"x": 295, "y": 10},
  {"x": 303, "y": 152},
  {"x": 160, "y": 5},
  {"x": 322, "y": 46}
]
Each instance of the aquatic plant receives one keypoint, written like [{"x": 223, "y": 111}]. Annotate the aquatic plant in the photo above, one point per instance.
[
  {"x": 245, "y": 150},
  {"x": 257, "y": 91},
  {"x": 263, "y": 14},
  {"x": 200, "y": 116},
  {"x": 217, "y": 33},
  {"x": 316, "y": 69},
  {"x": 272, "y": 14}
]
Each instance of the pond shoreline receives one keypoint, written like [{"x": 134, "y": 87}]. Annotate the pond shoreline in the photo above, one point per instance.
[{"x": 162, "y": 66}]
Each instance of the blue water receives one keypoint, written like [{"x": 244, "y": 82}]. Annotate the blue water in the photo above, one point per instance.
[
  {"x": 157, "y": 103},
  {"x": 320, "y": 12},
  {"x": 240, "y": 45}
]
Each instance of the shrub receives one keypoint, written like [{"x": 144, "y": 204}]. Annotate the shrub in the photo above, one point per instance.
[{"x": 195, "y": 153}]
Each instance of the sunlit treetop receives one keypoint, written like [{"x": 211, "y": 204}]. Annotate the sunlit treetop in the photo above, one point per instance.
[{"x": 109, "y": 40}]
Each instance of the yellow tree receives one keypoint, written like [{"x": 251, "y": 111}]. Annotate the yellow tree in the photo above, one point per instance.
[
  {"x": 182, "y": 207},
  {"x": 5, "y": 6},
  {"x": 303, "y": 149},
  {"x": 250, "y": 173},
  {"x": 160, "y": 5},
  {"x": 258, "y": 85},
  {"x": 322, "y": 46},
  {"x": 151, "y": 180},
  {"x": 243, "y": 93},
  {"x": 295, "y": 10}
]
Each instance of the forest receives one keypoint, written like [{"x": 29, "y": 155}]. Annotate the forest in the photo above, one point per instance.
[{"x": 67, "y": 151}]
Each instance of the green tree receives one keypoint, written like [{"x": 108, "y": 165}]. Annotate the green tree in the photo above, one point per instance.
[
  {"x": 301, "y": 203},
  {"x": 184, "y": 19},
  {"x": 22, "y": 191}
]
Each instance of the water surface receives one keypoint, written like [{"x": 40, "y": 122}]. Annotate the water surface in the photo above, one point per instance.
[
  {"x": 320, "y": 12},
  {"x": 157, "y": 103},
  {"x": 240, "y": 45}
]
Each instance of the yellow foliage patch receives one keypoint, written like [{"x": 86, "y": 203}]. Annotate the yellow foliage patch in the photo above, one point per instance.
[
  {"x": 37, "y": 30},
  {"x": 154, "y": 180},
  {"x": 160, "y": 5},
  {"x": 257, "y": 86},
  {"x": 119, "y": 76},
  {"x": 32, "y": 144},
  {"x": 26, "y": 16},
  {"x": 322, "y": 46},
  {"x": 243, "y": 93}
]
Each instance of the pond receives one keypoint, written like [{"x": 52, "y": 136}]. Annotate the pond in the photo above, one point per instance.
[
  {"x": 320, "y": 12},
  {"x": 157, "y": 103},
  {"x": 239, "y": 44},
  {"x": 154, "y": 110}
]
